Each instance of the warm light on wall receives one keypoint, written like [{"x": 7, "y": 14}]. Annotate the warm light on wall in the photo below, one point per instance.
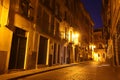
[
  {"x": 62, "y": 34},
  {"x": 73, "y": 37},
  {"x": 76, "y": 38},
  {"x": 92, "y": 46},
  {"x": 63, "y": 31},
  {"x": 96, "y": 57},
  {"x": 4, "y": 17},
  {"x": 0, "y": 13},
  {"x": 70, "y": 34},
  {"x": 5, "y": 37}
]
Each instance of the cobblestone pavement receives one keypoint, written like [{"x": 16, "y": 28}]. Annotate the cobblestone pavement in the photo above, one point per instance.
[{"x": 83, "y": 71}]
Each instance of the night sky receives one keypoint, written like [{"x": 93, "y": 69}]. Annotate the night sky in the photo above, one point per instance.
[{"x": 94, "y": 9}]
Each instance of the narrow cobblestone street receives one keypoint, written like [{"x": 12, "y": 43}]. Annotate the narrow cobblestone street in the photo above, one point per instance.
[
  {"x": 83, "y": 71},
  {"x": 59, "y": 39}
]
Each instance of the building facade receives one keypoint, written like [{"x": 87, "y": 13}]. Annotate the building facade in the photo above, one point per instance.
[
  {"x": 99, "y": 42},
  {"x": 111, "y": 19},
  {"x": 41, "y": 33}
]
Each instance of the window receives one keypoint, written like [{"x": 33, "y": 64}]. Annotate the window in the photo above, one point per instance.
[
  {"x": 100, "y": 46},
  {"x": 24, "y": 5},
  {"x": 52, "y": 4},
  {"x": 45, "y": 22},
  {"x": 57, "y": 9},
  {"x": 26, "y": 8},
  {"x": 65, "y": 15},
  {"x": 57, "y": 29},
  {"x": 67, "y": 3},
  {"x": 70, "y": 36},
  {"x": 66, "y": 33},
  {"x": 103, "y": 55},
  {"x": 52, "y": 25},
  {"x": 39, "y": 15},
  {"x": 47, "y": 2}
]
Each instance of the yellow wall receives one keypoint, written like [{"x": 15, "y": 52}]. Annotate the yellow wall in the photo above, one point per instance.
[
  {"x": 5, "y": 38},
  {"x": 0, "y": 11},
  {"x": 5, "y": 46},
  {"x": 5, "y": 35}
]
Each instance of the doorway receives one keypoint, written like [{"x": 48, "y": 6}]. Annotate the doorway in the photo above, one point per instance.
[
  {"x": 18, "y": 48},
  {"x": 54, "y": 56},
  {"x": 42, "y": 55},
  {"x": 76, "y": 52},
  {"x": 58, "y": 59}
]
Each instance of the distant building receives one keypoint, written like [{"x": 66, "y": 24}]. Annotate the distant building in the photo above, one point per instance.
[
  {"x": 35, "y": 33},
  {"x": 99, "y": 43}
]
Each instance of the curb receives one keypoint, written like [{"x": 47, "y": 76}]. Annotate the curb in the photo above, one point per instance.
[{"x": 17, "y": 75}]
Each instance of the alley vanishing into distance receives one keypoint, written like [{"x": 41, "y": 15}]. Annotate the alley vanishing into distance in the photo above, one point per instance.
[
  {"x": 37, "y": 35},
  {"x": 82, "y": 71}
]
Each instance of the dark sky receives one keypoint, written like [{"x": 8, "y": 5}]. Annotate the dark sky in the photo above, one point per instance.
[{"x": 94, "y": 9}]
